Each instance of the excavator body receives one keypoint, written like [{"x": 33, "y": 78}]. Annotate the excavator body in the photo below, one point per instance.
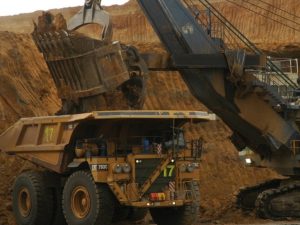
[{"x": 245, "y": 88}]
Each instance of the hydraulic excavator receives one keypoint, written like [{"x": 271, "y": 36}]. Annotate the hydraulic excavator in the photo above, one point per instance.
[{"x": 244, "y": 88}]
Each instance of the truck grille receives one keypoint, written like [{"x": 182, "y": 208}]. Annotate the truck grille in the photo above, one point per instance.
[{"x": 145, "y": 168}]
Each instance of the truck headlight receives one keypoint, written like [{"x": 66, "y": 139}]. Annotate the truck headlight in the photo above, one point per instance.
[
  {"x": 126, "y": 168},
  {"x": 190, "y": 167},
  {"x": 138, "y": 161},
  {"x": 248, "y": 161},
  {"x": 117, "y": 168},
  {"x": 80, "y": 152}
]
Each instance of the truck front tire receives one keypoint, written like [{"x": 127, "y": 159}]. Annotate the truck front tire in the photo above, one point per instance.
[
  {"x": 32, "y": 200},
  {"x": 137, "y": 214},
  {"x": 184, "y": 215},
  {"x": 85, "y": 202}
]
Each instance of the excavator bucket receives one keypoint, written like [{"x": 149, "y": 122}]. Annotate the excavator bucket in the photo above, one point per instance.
[{"x": 90, "y": 74}]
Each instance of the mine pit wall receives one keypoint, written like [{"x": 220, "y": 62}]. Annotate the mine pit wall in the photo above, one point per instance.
[
  {"x": 26, "y": 89},
  {"x": 132, "y": 26}
]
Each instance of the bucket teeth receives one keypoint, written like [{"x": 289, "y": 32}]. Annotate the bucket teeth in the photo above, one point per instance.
[{"x": 54, "y": 44}]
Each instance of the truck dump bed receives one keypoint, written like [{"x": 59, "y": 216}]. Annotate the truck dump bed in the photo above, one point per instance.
[{"x": 49, "y": 141}]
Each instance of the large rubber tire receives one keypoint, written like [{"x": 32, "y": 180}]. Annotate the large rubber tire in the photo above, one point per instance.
[
  {"x": 32, "y": 200},
  {"x": 137, "y": 214},
  {"x": 58, "y": 215},
  {"x": 185, "y": 215},
  {"x": 121, "y": 213},
  {"x": 96, "y": 206},
  {"x": 54, "y": 184}
]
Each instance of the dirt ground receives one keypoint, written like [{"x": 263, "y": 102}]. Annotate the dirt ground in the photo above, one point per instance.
[{"x": 26, "y": 89}]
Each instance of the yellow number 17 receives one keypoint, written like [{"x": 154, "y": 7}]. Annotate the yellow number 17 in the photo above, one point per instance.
[{"x": 168, "y": 171}]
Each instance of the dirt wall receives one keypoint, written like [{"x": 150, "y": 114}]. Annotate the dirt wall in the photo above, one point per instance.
[
  {"x": 25, "y": 90},
  {"x": 132, "y": 26}
]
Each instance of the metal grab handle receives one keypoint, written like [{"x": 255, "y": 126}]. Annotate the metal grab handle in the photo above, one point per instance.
[
  {"x": 89, "y": 3},
  {"x": 92, "y": 13}
]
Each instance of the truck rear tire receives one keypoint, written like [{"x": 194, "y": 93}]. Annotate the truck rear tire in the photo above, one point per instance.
[
  {"x": 32, "y": 200},
  {"x": 55, "y": 186},
  {"x": 58, "y": 215},
  {"x": 85, "y": 202}
]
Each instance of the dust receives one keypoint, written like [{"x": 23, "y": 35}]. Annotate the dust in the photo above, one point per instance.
[{"x": 48, "y": 22}]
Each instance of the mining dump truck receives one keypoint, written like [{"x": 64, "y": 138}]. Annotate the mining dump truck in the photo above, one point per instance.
[
  {"x": 106, "y": 166},
  {"x": 99, "y": 167}
]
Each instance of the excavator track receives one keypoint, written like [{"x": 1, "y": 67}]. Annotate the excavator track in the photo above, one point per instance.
[
  {"x": 247, "y": 196},
  {"x": 279, "y": 203}
]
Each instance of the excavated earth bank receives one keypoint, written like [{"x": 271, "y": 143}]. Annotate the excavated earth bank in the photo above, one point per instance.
[{"x": 26, "y": 89}]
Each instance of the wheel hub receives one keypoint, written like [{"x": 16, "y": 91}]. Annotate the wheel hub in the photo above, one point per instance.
[
  {"x": 80, "y": 202},
  {"x": 24, "y": 202}
]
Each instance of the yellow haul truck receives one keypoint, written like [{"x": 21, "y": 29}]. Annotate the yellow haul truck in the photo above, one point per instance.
[{"x": 106, "y": 166}]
